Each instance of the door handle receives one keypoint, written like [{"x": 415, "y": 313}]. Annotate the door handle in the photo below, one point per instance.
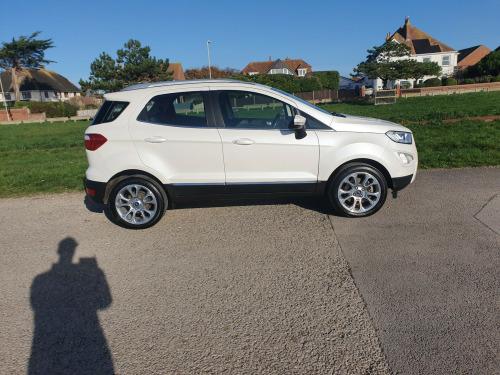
[
  {"x": 243, "y": 142},
  {"x": 156, "y": 139}
]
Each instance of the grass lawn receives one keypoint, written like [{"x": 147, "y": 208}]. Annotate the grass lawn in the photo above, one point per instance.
[
  {"x": 427, "y": 108},
  {"x": 42, "y": 158},
  {"x": 50, "y": 157}
]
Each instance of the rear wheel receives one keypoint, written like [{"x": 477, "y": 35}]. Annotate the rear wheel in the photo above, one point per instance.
[
  {"x": 137, "y": 203},
  {"x": 358, "y": 190}
]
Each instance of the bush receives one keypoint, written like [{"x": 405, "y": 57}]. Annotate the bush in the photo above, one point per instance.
[
  {"x": 495, "y": 79},
  {"x": 449, "y": 82},
  {"x": 51, "y": 109},
  {"x": 419, "y": 85},
  {"x": 328, "y": 80},
  {"x": 469, "y": 81},
  {"x": 284, "y": 82},
  {"x": 432, "y": 82}
]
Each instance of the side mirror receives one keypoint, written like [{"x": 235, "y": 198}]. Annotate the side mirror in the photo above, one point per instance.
[
  {"x": 299, "y": 122},
  {"x": 299, "y": 125}
]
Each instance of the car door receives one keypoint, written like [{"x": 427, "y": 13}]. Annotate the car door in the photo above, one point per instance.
[
  {"x": 173, "y": 136},
  {"x": 261, "y": 152}
]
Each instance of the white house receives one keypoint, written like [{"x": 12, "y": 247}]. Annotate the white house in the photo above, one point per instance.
[
  {"x": 424, "y": 48},
  {"x": 38, "y": 85}
]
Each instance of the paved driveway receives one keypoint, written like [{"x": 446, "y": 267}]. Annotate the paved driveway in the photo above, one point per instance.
[
  {"x": 429, "y": 271},
  {"x": 255, "y": 288}
]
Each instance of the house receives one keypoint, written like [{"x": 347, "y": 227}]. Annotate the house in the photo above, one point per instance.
[
  {"x": 38, "y": 85},
  {"x": 424, "y": 48},
  {"x": 297, "y": 68},
  {"x": 177, "y": 71},
  {"x": 471, "y": 56},
  {"x": 349, "y": 83}
]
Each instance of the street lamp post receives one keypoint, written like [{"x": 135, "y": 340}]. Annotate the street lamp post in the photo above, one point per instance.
[{"x": 208, "y": 52}]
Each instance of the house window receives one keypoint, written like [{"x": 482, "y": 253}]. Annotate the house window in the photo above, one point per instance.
[
  {"x": 66, "y": 95},
  {"x": 7, "y": 96},
  {"x": 446, "y": 60},
  {"x": 56, "y": 94},
  {"x": 26, "y": 95},
  {"x": 427, "y": 59},
  {"x": 280, "y": 71},
  {"x": 302, "y": 72},
  {"x": 253, "y": 73},
  {"x": 46, "y": 94}
]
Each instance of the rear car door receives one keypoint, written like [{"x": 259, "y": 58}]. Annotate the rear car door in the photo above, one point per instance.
[{"x": 173, "y": 136}]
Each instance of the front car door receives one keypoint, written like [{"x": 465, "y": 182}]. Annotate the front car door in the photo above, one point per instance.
[{"x": 261, "y": 152}]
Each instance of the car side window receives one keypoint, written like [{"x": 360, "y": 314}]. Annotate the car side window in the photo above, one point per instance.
[
  {"x": 178, "y": 109},
  {"x": 313, "y": 124},
  {"x": 249, "y": 110}
]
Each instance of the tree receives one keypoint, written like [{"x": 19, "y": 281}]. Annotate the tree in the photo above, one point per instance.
[
  {"x": 216, "y": 72},
  {"x": 132, "y": 65},
  {"x": 489, "y": 65},
  {"x": 391, "y": 61},
  {"x": 25, "y": 52}
]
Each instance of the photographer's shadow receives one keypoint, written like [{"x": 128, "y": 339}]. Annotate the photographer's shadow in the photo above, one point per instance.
[{"x": 68, "y": 338}]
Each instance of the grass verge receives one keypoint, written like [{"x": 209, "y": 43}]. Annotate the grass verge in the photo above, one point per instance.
[
  {"x": 42, "y": 158},
  {"x": 50, "y": 157}
]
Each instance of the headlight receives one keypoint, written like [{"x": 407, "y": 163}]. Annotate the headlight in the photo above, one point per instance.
[{"x": 400, "y": 137}]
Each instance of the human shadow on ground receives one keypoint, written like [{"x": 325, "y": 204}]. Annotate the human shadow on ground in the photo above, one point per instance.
[{"x": 68, "y": 338}]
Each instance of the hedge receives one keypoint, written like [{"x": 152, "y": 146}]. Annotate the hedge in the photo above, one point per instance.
[{"x": 51, "y": 109}]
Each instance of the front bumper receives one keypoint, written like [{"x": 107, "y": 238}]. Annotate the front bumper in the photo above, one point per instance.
[
  {"x": 399, "y": 183},
  {"x": 95, "y": 190}
]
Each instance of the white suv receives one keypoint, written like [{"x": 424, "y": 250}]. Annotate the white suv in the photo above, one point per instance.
[{"x": 153, "y": 144}]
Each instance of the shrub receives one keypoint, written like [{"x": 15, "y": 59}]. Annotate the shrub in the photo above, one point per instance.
[
  {"x": 329, "y": 80},
  {"x": 419, "y": 85},
  {"x": 495, "y": 79},
  {"x": 469, "y": 81},
  {"x": 449, "y": 82},
  {"x": 51, "y": 109},
  {"x": 432, "y": 82}
]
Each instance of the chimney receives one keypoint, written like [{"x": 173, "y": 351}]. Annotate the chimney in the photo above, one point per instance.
[
  {"x": 407, "y": 20},
  {"x": 270, "y": 59},
  {"x": 388, "y": 37}
]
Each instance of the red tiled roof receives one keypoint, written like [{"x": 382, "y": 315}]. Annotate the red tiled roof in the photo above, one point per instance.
[
  {"x": 178, "y": 73},
  {"x": 418, "y": 41},
  {"x": 262, "y": 67},
  {"x": 471, "y": 56}
]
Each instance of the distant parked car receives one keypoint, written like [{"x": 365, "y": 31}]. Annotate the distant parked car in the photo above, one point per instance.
[{"x": 153, "y": 144}]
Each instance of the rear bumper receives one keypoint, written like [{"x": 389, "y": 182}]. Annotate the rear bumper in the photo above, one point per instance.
[
  {"x": 399, "y": 183},
  {"x": 95, "y": 190}
]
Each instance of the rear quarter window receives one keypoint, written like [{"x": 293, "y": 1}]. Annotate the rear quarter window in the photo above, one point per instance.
[{"x": 109, "y": 111}]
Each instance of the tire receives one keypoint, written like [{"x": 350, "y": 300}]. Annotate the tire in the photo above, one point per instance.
[
  {"x": 137, "y": 203},
  {"x": 358, "y": 190}
]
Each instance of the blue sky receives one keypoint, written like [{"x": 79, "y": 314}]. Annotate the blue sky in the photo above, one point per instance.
[{"x": 329, "y": 35}]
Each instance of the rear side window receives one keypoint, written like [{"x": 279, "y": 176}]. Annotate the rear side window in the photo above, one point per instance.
[
  {"x": 110, "y": 110},
  {"x": 179, "y": 109}
]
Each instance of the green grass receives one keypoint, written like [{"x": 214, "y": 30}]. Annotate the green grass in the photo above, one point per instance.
[
  {"x": 427, "y": 108},
  {"x": 42, "y": 158},
  {"x": 50, "y": 158},
  {"x": 455, "y": 145}
]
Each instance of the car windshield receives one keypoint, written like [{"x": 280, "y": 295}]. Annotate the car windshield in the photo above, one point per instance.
[{"x": 302, "y": 101}]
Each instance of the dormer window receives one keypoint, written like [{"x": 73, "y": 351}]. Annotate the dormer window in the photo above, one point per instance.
[{"x": 302, "y": 72}]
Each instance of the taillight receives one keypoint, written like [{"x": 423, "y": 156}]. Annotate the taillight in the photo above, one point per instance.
[{"x": 94, "y": 141}]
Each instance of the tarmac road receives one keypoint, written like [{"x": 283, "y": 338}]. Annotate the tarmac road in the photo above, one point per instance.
[
  {"x": 428, "y": 268},
  {"x": 257, "y": 288}
]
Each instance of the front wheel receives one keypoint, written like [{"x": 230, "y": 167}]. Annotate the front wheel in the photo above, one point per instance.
[
  {"x": 137, "y": 203},
  {"x": 358, "y": 190}
]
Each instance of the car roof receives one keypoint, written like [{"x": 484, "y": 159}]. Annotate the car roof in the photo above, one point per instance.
[{"x": 187, "y": 82}]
